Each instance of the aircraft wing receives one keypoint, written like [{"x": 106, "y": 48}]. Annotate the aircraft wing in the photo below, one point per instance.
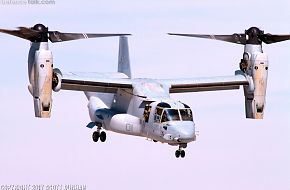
[
  {"x": 111, "y": 82},
  {"x": 95, "y": 82},
  {"x": 205, "y": 84}
]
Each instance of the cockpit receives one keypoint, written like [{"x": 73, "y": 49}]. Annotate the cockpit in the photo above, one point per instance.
[{"x": 165, "y": 113}]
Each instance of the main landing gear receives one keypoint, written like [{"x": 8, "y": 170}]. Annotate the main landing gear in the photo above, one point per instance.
[
  {"x": 180, "y": 152},
  {"x": 99, "y": 135}
]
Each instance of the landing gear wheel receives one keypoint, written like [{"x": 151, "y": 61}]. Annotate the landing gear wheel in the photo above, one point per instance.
[
  {"x": 103, "y": 136},
  {"x": 182, "y": 153},
  {"x": 96, "y": 136},
  {"x": 177, "y": 153}
]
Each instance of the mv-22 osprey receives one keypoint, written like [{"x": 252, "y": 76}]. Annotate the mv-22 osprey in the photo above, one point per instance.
[{"x": 138, "y": 106}]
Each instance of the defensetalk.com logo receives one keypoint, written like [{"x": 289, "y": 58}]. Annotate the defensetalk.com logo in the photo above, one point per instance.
[{"x": 27, "y": 2}]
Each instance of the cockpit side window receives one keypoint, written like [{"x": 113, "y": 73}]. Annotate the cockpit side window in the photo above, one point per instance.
[
  {"x": 157, "y": 115},
  {"x": 186, "y": 114},
  {"x": 164, "y": 117}
]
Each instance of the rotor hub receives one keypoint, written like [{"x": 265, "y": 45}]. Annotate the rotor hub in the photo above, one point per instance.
[
  {"x": 40, "y": 28},
  {"x": 253, "y": 35},
  {"x": 42, "y": 33}
]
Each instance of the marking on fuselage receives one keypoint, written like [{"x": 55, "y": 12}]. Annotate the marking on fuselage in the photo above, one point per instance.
[{"x": 129, "y": 127}]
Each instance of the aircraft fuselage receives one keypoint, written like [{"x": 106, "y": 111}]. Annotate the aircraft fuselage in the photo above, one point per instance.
[{"x": 147, "y": 111}]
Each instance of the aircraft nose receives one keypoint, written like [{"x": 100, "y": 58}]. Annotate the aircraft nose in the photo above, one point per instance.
[{"x": 186, "y": 132}]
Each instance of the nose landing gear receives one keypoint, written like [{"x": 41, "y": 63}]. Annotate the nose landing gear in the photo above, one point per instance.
[{"x": 180, "y": 152}]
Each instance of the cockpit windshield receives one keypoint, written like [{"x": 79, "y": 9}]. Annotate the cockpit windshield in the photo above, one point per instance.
[
  {"x": 186, "y": 114},
  {"x": 170, "y": 115}
]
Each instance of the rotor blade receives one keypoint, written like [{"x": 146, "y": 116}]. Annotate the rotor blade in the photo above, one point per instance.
[
  {"x": 269, "y": 38},
  {"x": 22, "y": 32},
  {"x": 55, "y": 36},
  {"x": 234, "y": 38}
]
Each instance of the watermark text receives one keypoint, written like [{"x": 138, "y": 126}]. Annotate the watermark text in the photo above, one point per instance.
[
  {"x": 43, "y": 187},
  {"x": 27, "y": 2}
]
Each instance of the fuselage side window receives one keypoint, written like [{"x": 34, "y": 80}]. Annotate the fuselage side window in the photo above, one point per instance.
[{"x": 146, "y": 114}]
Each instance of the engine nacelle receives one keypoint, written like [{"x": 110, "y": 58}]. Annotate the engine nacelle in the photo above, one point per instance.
[
  {"x": 255, "y": 94},
  {"x": 42, "y": 87},
  {"x": 56, "y": 80}
]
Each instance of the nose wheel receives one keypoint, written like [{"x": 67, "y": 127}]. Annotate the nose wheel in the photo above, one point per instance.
[{"x": 180, "y": 152}]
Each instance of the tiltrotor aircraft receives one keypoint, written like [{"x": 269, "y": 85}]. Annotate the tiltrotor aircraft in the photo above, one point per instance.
[{"x": 137, "y": 106}]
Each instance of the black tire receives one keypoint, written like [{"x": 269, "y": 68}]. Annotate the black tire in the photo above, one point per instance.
[
  {"x": 96, "y": 136},
  {"x": 182, "y": 153},
  {"x": 103, "y": 136},
  {"x": 177, "y": 154}
]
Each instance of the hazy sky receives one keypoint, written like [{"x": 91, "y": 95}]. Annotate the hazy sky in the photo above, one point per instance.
[{"x": 231, "y": 152}]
